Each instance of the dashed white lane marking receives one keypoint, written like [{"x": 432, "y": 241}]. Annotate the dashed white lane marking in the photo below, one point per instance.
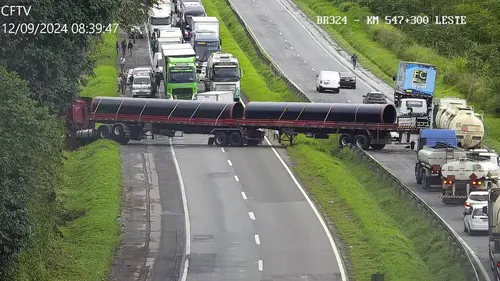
[
  {"x": 313, "y": 69},
  {"x": 236, "y": 178},
  {"x": 281, "y": 33},
  {"x": 223, "y": 150},
  {"x": 261, "y": 265},
  {"x": 229, "y": 162},
  {"x": 348, "y": 101},
  {"x": 244, "y": 195},
  {"x": 257, "y": 239},
  {"x": 187, "y": 222},
  {"x": 251, "y": 215}
]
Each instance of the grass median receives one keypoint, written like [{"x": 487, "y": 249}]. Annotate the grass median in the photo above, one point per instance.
[
  {"x": 381, "y": 47},
  {"x": 383, "y": 232},
  {"x": 90, "y": 192}
]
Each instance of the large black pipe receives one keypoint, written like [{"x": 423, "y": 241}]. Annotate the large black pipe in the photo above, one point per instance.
[
  {"x": 163, "y": 107},
  {"x": 341, "y": 112}
]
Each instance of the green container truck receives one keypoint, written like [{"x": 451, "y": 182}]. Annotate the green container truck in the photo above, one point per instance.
[{"x": 179, "y": 73}]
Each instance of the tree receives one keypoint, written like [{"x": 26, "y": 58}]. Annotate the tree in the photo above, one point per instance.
[
  {"x": 30, "y": 155},
  {"x": 53, "y": 64}
]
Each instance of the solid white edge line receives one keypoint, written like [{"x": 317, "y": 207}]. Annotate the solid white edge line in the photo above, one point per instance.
[
  {"x": 324, "y": 49},
  {"x": 261, "y": 265},
  {"x": 236, "y": 178},
  {"x": 229, "y": 162},
  {"x": 244, "y": 195},
  {"x": 257, "y": 239},
  {"x": 187, "y": 223},
  {"x": 251, "y": 215},
  {"x": 315, "y": 210}
]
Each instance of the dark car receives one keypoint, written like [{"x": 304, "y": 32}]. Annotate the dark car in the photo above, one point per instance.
[
  {"x": 347, "y": 80},
  {"x": 374, "y": 98}
]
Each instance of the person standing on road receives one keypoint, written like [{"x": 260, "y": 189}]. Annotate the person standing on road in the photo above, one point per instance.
[
  {"x": 354, "y": 60},
  {"x": 122, "y": 63},
  {"x": 130, "y": 47},
  {"x": 124, "y": 83},
  {"x": 124, "y": 47},
  {"x": 117, "y": 48},
  {"x": 119, "y": 81},
  {"x": 158, "y": 78}
]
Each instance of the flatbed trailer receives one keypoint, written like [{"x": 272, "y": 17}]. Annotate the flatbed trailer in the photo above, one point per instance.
[{"x": 234, "y": 124}]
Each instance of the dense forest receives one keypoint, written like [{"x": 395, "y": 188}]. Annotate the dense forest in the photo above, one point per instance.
[
  {"x": 40, "y": 75},
  {"x": 474, "y": 46}
]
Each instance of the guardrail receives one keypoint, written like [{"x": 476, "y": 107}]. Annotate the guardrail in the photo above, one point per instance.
[
  {"x": 265, "y": 57},
  {"x": 460, "y": 249}
]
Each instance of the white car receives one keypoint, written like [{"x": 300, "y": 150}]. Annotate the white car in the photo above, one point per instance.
[
  {"x": 328, "y": 80},
  {"x": 475, "y": 219},
  {"x": 139, "y": 71},
  {"x": 476, "y": 197},
  {"x": 141, "y": 86}
]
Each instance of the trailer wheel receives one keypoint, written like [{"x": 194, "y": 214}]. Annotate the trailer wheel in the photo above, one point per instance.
[
  {"x": 103, "y": 132},
  {"x": 344, "y": 140},
  {"x": 118, "y": 132},
  {"x": 221, "y": 139},
  {"x": 362, "y": 141},
  {"x": 378, "y": 146},
  {"x": 235, "y": 139}
]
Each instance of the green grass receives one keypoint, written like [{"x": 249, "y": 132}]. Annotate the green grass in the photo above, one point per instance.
[
  {"x": 90, "y": 197},
  {"x": 384, "y": 233},
  {"x": 273, "y": 88},
  {"x": 90, "y": 192},
  {"x": 381, "y": 47},
  {"x": 104, "y": 82}
]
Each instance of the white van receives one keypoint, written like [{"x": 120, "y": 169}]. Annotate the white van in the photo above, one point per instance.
[
  {"x": 160, "y": 17},
  {"x": 158, "y": 62},
  {"x": 328, "y": 80}
]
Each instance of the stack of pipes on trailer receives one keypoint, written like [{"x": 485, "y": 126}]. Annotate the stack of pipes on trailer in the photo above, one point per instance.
[{"x": 254, "y": 114}]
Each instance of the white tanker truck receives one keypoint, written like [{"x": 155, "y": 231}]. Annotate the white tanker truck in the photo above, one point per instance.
[
  {"x": 475, "y": 172},
  {"x": 456, "y": 114}
]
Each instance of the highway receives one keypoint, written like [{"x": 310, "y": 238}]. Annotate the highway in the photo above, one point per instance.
[
  {"x": 301, "y": 50},
  {"x": 244, "y": 214}
]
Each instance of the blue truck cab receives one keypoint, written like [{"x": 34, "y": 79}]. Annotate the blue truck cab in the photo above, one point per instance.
[
  {"x": 431, "y": 137},
  {"x": 414, "y": 80}
]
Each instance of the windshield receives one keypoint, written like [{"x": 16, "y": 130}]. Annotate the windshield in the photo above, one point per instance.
[
  {"x": 377, "y": 96},
  {"x": 161, "y": 21},
  {"x": 477, "y": 197},
  {"x": 414, "y": 104},
  {"x": 203, "y": 50},
  {"x": 479, "y": 212},
  {"x": 142, "y": 80},
  {"x": 226, "y": 72},
  {"x": 182, "y": 77}
]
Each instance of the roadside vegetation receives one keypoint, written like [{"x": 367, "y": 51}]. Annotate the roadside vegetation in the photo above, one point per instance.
[
  {"x": 58, "y": 209},
  {"x": 382, "y": 232},
  {"x": 467, "y": 56}
]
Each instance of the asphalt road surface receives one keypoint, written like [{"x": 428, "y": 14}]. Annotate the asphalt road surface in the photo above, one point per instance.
[
  {"x": 301, "y": 49},
  {"x": 247, "y": 218}
]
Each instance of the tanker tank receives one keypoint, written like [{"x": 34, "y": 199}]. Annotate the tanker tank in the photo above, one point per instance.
[
  {"x": 333, "y": 112},
  {"x": 162, "y": 109},
  {"x": 460, "y": 117}
]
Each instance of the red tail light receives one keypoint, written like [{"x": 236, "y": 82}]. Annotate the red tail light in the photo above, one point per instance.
[
  {"x": 467, "y": 204},
  {"x": 498, "y": 264},
  {"x": 436, "y": 169},
  {"x": 447, "y": 182}
]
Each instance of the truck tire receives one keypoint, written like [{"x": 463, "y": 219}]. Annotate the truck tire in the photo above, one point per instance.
[
  {"x": 378, "y": 146},
  {"x": 362, "y": 141},
  {"x": 418, "y": 174},
  {"x": 344, "y": 140},
  {"x": 118, "y": 132},
  {"x": 103, "y": 132},
  {"x": 221, "y": 139},
  {"x": 235, "y": 139}
]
